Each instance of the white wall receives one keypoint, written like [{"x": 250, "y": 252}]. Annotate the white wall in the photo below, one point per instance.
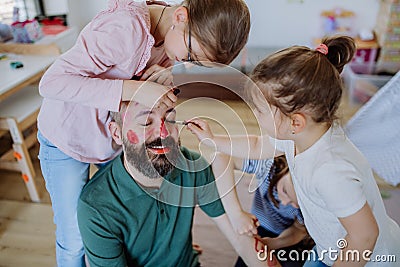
[
  {"x": 55, "y": 7},
  {"x": 82, "y": 11},
  {"x": 274, "y": 22},
  {"x": 288, "y": 22}
]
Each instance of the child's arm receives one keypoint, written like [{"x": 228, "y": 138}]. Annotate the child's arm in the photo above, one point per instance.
[
  {"x": 158, "y": 74},
  {"x": 289, "y": 237},
  {"x": 244, "y": 245},
  {"x": 362, "y": 233},
  {"x": 242, "y": 222},
  {"x": 343, "y": 193},
  {"x": 147, "y": 93},
  {"x": 244, "y": 146}
]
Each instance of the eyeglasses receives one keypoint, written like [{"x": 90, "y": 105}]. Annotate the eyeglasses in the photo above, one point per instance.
[{"x": 189, "y": 57}]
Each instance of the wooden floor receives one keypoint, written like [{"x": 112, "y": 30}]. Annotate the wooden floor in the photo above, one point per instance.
[
  {"x": 26, "y": 234},
  {"x": 27, "y": 230}
]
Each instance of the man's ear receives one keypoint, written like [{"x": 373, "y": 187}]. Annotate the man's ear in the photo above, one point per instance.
[
  {"x": 180, "y": 15},
  {"x": 298, "y": 122},
  {"x": 116, "y": 132}
]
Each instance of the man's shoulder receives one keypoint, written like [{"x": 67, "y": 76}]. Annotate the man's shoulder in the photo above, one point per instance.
[
  {"x": 97, "y": 187},
  {"x": 194, "y": 162},
  {"x": 190, "y": 154}
]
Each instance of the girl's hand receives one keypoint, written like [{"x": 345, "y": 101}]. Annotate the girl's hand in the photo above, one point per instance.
[
  {"x": 264, "y": 251},
  {"x": 158, "y": 74},
  {"x": 263, "y": 241},
  {"x": 200, "y": 128},
  {"x": 244, "y": 223},
  {"x": 149, "y": 94}
]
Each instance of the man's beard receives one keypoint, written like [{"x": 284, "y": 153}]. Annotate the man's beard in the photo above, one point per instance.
[{"x": 150, "y": 164}]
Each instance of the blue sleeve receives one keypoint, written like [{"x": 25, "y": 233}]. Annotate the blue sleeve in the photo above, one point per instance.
[
  {"x": 260, "y": 168},
  {"x": 299, "y": 217}
]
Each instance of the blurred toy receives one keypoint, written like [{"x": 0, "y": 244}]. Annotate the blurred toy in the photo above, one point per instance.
[
  {"x": 366, "y": 35},
  {"x": 5, "y": 32},
  {"x": 15, "y": 14},
  {"x": 16, "y": 64},
  {"x": 27, "y": 31},
  {"x": 338, "y": 21}
]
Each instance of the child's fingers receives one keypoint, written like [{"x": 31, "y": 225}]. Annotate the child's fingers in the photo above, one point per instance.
[
  {"x": 199, "y": 123},
  {"x": 194, "y": 125},
  {"x": 165, "y": 78},
  {"x": 171, "y": 96},
  {"x": 156, "y": 77},
  {"x": 158, "y": 74},
  {"x": 150, "y": 71},
  {"x": 168, "y": 99},
  {"x": 169, "y": 80},
  {"x": 253, "y": 231},
  {"x": 255, "y": 221},
  {"x": 249, "y": 230},
  {"x": 146, "y": 74},
  {"x": 258, "y": 244}
]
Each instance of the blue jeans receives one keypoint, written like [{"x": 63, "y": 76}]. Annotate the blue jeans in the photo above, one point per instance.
[
  {"x": 314, "y": 262},
  {"x": 65, "y": 178}
]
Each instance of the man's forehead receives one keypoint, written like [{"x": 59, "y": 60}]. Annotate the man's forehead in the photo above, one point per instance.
[{"x": 139, "y": 109}]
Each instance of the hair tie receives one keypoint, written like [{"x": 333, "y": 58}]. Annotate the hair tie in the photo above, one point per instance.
[{"x": 322, "y": 48}]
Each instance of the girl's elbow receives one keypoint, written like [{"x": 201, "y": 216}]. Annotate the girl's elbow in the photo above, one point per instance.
[
  {"x": 374, "y": 235},
  {"x": 42, "y": 88},
  {"x": 47, "y": 86},
  {"x": 371, "y": 237},
  {"x": 44, "y": 85}
]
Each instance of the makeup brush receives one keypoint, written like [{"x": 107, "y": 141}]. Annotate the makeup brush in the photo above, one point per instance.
[{"x": 178, "y": 122}]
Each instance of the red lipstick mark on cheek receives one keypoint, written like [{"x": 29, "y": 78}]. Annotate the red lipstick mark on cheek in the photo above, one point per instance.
[
  {"x": 163, "y": 130},
  {"x": 132, "y": 137}
]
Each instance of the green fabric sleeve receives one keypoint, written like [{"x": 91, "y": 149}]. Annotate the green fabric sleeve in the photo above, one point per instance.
[
  {"x": 101, "y": 246},
  {"x": 207, "y": 194}
]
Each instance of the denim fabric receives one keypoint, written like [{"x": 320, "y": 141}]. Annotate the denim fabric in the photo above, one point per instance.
[
  {"x": 314, "y": 262},
  {"x": 65, "y": 178}
]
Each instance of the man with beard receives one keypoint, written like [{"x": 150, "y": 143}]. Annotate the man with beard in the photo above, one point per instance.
[{"x": 138, "y": 210}]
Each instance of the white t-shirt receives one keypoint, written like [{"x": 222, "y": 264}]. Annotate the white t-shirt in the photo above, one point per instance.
[{"x": 332, "y": 179}]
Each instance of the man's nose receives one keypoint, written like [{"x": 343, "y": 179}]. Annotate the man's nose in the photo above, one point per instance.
[{"x": 163, "y": 130}]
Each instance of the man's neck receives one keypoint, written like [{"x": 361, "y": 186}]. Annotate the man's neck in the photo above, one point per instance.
[{"x": 142, "y": 179}]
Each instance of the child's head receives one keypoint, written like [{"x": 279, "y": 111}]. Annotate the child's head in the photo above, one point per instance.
[
  {"x": 281, "y": 182},
  {"x": 217, "y": 29},
  {"x": 300, "y": 80},
  {"x": 220, "y": 26}
]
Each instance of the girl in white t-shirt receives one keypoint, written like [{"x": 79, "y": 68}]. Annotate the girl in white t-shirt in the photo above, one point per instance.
[{"x": 296, "y": 94}]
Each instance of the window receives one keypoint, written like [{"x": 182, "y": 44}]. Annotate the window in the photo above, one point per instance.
[{"x": 27, "y": 10}]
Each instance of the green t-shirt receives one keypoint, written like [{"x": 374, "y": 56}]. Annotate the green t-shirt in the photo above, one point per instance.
[{"x": 123, "y": 225}]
